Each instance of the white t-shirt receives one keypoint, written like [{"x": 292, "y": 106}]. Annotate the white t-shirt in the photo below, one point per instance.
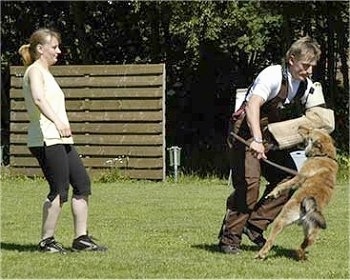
[
  {"x": 41, "y": 130},
  {"x": 268, "y": 84}
]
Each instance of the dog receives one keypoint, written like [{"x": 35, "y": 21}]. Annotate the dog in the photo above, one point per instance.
[{"x": 313, "y": 186}]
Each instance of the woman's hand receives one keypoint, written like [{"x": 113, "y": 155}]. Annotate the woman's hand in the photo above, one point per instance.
[{"x": 63, "y": 129}]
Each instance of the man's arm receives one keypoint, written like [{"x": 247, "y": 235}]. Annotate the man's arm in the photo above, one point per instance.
[
  {"x": 253, "y": 119},
  {"x": 316, "y": 116},
  {"x": 286, "y": 133}
]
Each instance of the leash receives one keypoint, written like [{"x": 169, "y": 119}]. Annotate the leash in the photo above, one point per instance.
[{"x": 286, "y": 169}]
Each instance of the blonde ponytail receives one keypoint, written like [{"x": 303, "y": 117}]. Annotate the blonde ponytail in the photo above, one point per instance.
[{"x": 25, "y": 52}]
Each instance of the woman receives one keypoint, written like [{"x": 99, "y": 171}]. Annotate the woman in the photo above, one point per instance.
[{"x": 51, "y": 143}]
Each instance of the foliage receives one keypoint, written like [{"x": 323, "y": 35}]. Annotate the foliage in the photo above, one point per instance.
[
  {"x": 344, "y": 168},
  {"x": 340, "y": 133},
  {"x": 210, "y": 48},
  {"x": 109, "y": 176},
  {"x": 160, "y": 230}
]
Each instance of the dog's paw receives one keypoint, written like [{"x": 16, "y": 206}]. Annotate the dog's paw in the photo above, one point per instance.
[
  {"x": 273, "y": 194},
  {"x": 260, "y": 256},
  {"x": 301, "y": 255}
]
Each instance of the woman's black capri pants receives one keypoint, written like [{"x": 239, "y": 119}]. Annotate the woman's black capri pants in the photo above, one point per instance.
[{"x": 62, "y": 166}]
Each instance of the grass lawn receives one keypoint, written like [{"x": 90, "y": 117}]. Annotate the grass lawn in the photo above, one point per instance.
[{"x": 160, "y": 230}]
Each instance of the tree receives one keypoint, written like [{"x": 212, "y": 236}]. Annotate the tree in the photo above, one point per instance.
[{"x": 210, "y": 48}]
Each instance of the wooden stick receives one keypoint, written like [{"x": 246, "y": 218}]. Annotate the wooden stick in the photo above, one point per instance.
[{"x": 286, "y": 169}]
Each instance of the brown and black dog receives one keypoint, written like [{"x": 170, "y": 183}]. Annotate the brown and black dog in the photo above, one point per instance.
[{"x": 313, "y": 186}]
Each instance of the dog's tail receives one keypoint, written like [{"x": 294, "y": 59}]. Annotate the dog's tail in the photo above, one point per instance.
[{"x": 310, "y": 213}]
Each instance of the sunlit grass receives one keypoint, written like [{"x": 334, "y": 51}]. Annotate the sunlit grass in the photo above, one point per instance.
[{"x": 160, "y": 230}]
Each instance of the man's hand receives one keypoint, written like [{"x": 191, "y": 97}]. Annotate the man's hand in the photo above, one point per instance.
[{"x": 258, "y": 150}]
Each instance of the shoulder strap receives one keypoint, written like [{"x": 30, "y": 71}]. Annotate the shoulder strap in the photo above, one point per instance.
[
  {"x": 282, "y": 94},
  {"x": 301, "y": 90}
]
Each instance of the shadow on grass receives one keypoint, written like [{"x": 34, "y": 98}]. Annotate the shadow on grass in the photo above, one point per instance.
[
  {"x": 215, "y": 248},
  {"x": 276, "y": 252},
  {"x": 18, "y": 247}
]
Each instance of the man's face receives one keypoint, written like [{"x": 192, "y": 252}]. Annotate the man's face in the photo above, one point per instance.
[{"x": 300, "y": 69}]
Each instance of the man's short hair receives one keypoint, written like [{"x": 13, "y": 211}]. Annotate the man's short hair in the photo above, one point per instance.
[{"x": 305, "y": 49}]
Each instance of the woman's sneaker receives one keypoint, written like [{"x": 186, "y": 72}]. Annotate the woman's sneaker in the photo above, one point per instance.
[
  {"x": 85, "y": 243},
  {"x": 50, "y": 245}
]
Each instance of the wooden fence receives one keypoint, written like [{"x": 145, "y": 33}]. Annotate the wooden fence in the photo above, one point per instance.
[{"x": 117, "y": 116}]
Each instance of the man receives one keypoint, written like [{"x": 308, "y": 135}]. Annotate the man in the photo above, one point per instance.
[{"x": 268, "y": 121}]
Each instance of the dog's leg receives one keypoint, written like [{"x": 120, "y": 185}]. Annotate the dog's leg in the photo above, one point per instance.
[
  {"x": 277, "y": 227},
  {"x": 292, "y": 183},
  {"x": 288, "y": 215},
  {"x": 310, "y": 235}
]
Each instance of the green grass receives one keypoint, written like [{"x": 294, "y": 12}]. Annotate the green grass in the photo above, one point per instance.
[{"x": 160, "y": 230}]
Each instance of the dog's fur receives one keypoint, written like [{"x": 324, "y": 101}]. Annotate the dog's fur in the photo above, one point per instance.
[{"x": 314, "y": 187}]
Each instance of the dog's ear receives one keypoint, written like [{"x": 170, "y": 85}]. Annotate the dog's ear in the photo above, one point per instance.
[{"x": 304, "y": 130}]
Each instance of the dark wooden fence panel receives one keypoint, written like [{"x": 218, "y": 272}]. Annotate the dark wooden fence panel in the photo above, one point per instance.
[{"x": 117, "y": 116}]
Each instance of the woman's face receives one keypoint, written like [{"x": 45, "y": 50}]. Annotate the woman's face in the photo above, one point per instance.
[
  {"x": 50, "y": 50},
  {"x": 300, "y": 69}
]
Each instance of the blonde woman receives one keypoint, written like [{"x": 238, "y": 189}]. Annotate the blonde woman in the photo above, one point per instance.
[{"x": 51, "y": 143}]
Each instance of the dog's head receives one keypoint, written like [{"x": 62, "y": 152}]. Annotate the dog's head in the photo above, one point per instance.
[{"x": 318, "y": 142}]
